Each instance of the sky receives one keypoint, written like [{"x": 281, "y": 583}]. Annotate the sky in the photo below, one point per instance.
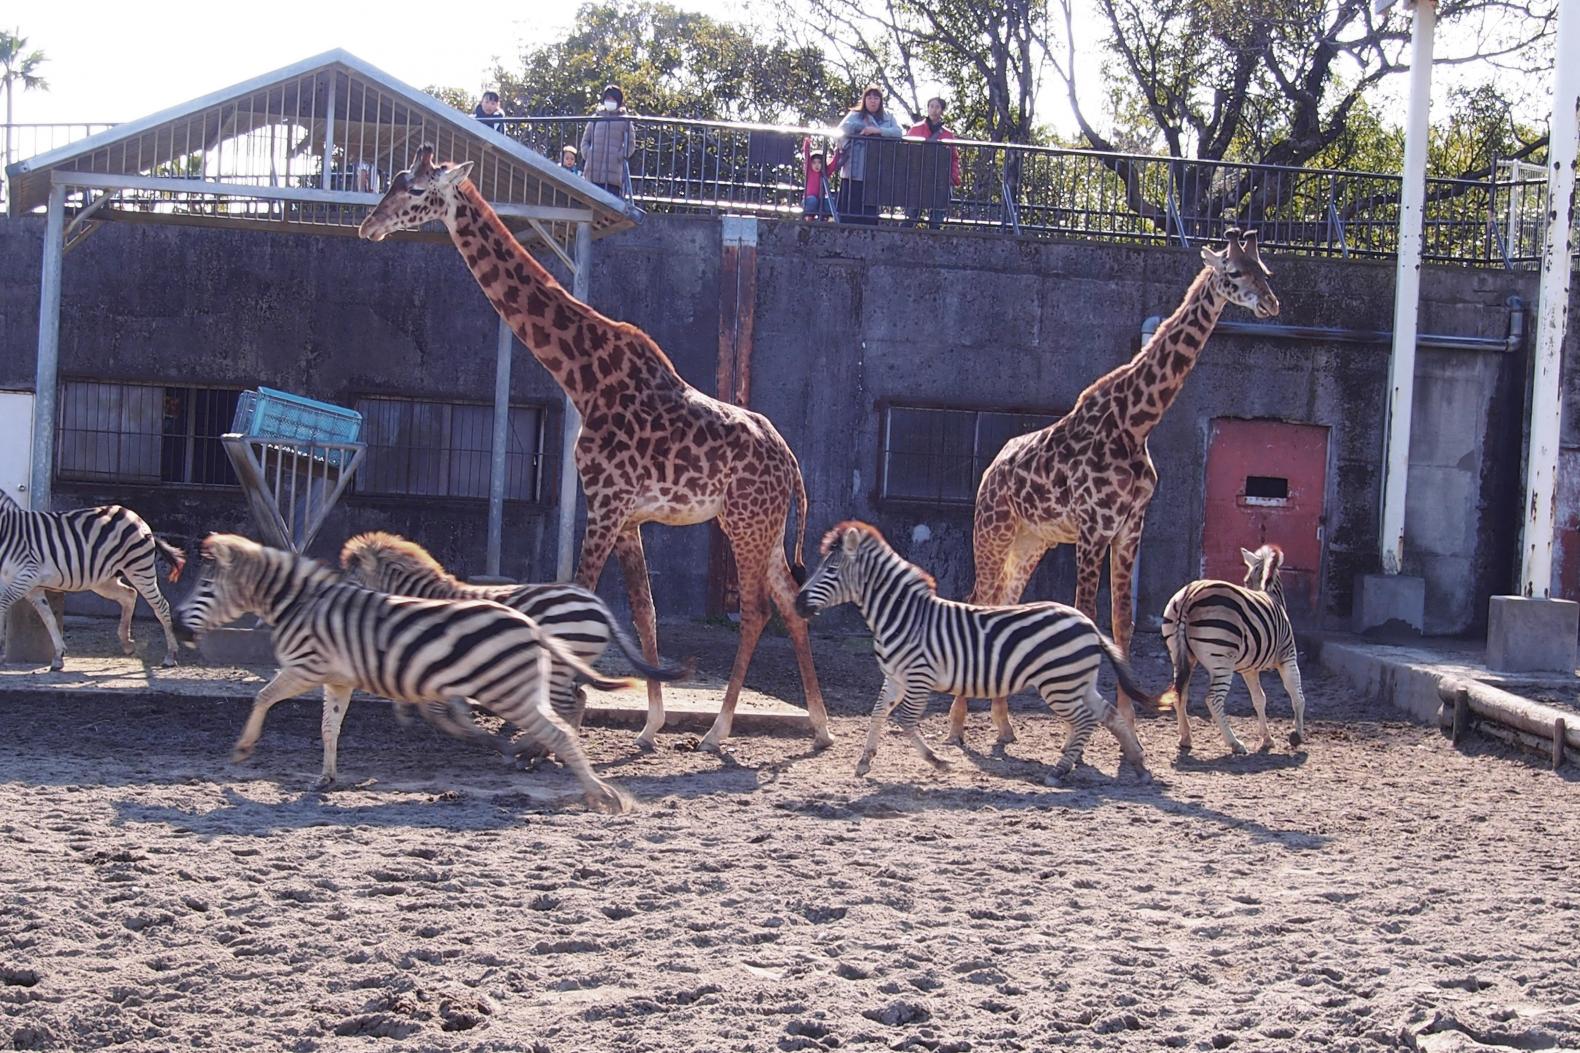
[{"x": 106, "y": 63}]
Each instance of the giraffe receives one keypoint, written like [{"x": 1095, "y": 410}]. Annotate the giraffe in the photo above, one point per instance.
[
  {"x": 1086, "y": 479},
  {"x": 652, "y": 449}
]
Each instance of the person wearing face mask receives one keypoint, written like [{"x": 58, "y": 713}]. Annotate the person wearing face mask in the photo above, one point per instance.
[
  {"x": 871, "y": 118},
  {"x": 933, "y": 129},
  {"x": 608, "y": 143}
]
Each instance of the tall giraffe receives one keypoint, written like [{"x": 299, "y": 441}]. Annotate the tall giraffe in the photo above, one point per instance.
[
  {"x": 653, "y": 449},
  {"x": 1086, "y": 479}
]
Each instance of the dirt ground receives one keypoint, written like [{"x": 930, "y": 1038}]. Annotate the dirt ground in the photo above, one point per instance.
[{"x": 1375, "y": 889}]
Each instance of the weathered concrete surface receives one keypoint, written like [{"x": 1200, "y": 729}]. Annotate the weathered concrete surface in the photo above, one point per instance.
[
  {"x": 846, "y": 321},
  {"x": 1526, "y": 635},
  {"x": 26, "y": 639},
  {"x": 1389, "y": 602}
]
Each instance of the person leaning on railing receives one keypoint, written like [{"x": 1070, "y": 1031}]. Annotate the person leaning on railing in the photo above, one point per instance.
[
  {"x": 816, "y": 202},
  {"x": 933, "y": 129},
  {"x": 869, "y": 118},
  {"x": 608, "y": 143}
]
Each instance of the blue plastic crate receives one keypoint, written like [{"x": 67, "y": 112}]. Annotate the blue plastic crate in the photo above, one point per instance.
[{"x": 294, "y": 420}]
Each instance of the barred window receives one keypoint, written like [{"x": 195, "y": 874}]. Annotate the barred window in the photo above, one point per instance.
[
  {"x": 938, "y": 456},
  {"x": 144, "y": 433},
  {"x": 444, "y": 449}
]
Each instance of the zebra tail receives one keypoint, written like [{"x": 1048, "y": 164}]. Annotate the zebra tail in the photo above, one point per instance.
[
  {"x": 1179, "y": 654},
  {"x": 177, "y": 558},
  {"x": 1125, "y": 674},
  {"x": 664, "y": 673},
  {"x": 560, "y": 655}
]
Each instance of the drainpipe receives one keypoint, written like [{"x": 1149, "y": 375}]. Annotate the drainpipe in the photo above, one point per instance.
[
  {"x": 1407, "y": 290},
  {"x": 1540, "y": 504},
  {"x": 581, "y": 283}
]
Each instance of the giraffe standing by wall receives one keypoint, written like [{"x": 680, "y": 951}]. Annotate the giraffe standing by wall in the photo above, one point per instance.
[
  {"x": 1086, "y": 479},
  {"x": 653, "y": 449}
]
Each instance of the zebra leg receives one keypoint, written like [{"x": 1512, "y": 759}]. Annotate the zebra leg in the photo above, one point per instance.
[
  {"x": 538, "y": 720},
  {"x": 887, "y": 697},
  {"x": 633, "y": 564},
  {"x": 124, "y": 595},
  {"x": 337, "y": 699},
  {"x": 287, "y": 683},
  {"x": 40, "y": 603},
  {"x": 1253, "y": 684},
  {"x": 568, "y": 700},
  {"x": 1182, "y": 709},
  {"x": 1023, "y": 559},
  {"x": 1217, "y": 692},
  {"x": 1082, "y": 721},
  {"x": 992, "y": 537},
  {"x": 1289, "y": 673},
  {"x": 145, "y": 580},
  {"x": 1119, "y": 727}
]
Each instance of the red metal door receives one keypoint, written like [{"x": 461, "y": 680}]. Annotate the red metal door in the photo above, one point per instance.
[{"x": 1265, "y": 484}]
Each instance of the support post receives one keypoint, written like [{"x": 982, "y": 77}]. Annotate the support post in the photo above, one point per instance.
[
  {"x": 501, "y": 447},
  {"x": 46, "y": 379},
  {"x": 1540, "y": 504},
  {"x": 581, "y": 289},
  {"x": 329, "y": 137},
  {"x": 1407, "y": 289}
]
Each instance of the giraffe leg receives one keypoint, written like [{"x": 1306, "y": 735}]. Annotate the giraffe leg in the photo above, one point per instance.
[
  {"x": 119, "y": 593},
  {"x": 1289, "y": 673},
  {"x": 633, "y": 564},
  {"x": 782, "y": 589},
  {"x": 1253, "y": 684},
  {"x": 754, "y": 616},
  {"x": 1121, "y": 596}
]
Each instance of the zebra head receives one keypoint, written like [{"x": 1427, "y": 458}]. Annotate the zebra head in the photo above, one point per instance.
[
  {"x": 1241, "y": 275},
  {"x": 839, "y": 578},
  {"x": 389, "y": 563},
  {"x": 223, "y": 591},
  {"x": 421, "y": 193},
  {"x": 1262, "y": 567}
]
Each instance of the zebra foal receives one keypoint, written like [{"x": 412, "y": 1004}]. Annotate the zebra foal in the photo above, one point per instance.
[
  {"x": 575, "y": 616},
  {"x": 926, "y": 644},
  {"x": 341, "y": 636},
  {"x": 1228, "y": 629},
  {"x": 108, "y": 550}
]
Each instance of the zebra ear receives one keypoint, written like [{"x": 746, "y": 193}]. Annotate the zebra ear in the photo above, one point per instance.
[
  {"x": 851, "y": 541},
  {"x": 214, "y": 548},
  {"x": 1249, "y": 557}
]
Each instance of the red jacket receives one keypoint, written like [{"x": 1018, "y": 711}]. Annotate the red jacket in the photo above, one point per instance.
[
  {"x": 816, "y": 182},
  {"x": 921, "y": 131}
]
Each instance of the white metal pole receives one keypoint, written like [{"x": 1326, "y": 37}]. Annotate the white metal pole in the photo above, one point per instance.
[
  {"x": 581, "y": 289},
  {"x": 1536, "y": 560},
  {"x": 501, "y": 448},
  {"x": 1407, "y": 289},
  {"x": 47, "y": 376}
]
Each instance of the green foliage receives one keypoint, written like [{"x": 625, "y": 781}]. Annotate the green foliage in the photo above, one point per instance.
[
  {"x": 460, "y": 98},
  {"x": 672, "y": 63}
]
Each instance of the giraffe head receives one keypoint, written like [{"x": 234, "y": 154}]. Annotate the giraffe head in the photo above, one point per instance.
[
  {"x": 422, "y": 193},
  {"x": 1240, "y": 274}
]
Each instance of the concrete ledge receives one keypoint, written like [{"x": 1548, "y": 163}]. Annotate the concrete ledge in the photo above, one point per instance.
[
  {"x": 1526, "y": 635},
  {"x": 1404, "y": 677},
  {"x": 753, "y": 715},
  {"x": 26, "y": 639}
]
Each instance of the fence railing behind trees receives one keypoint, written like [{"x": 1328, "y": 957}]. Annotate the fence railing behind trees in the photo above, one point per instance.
[{"x": 706, "y": 166}]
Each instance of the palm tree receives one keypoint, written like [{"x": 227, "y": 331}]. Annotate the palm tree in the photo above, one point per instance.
[{"x": 18, "y": 67}]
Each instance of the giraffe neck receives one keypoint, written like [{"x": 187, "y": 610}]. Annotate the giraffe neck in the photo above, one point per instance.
[
  {"x": 1145, "y": 389},
  {"x": 580, "y": 348}
]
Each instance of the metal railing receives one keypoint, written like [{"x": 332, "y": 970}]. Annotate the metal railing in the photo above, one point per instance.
[{"x": 694, "y": 166}]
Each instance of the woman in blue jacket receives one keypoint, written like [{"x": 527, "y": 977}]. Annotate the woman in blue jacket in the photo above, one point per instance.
[{"x": 869, "y": 119}]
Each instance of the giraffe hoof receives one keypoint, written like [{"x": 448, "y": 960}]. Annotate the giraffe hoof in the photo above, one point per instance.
[
  {"x": 1005, "y": 737},
  {"x": 1238, "y": 749},
  {"x": 955, "y": 738},
  {"x": 241, "y": 754},
  {"x": 1184, "y": 747},
  {"x": 170, "y": 661},
  {"x": 128, "y": 648},
  {"x": 708, "y": 744},
  {"x": 323, "y": 782},
  {"x": 57, "y": 665},
  {"x": 823, "y": 740},
  {"x": 862, "y": 768},
  {"x": 1296, "y": 738},
  {"x": 647, "y": 743}
]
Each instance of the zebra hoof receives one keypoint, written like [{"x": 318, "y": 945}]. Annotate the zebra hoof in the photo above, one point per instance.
[
  {"x": 58, "y": 663},
  {"x": 323, "y": 782},
  {"x": 127, "y": 648},
  {"x": 1296, "y": 738},
  {"x": 170, "y": 661},
  {"x": 1238, "y": 749},
  {"x": 609, "y": 799}
]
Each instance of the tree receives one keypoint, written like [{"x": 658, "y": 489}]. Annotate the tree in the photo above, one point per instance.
[
  {"x": 18, "y": 68},
  {"x": 990, "y": 57},
  {"x": 1277, "y": 82},
  {"x": 672, "y": 63}
]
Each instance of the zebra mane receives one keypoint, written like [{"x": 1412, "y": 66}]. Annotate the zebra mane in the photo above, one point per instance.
[
  {"x": 252, "y": 557},
  {"x": 874, "y": 537},
  {"x": 7, "y": 501},
  {"x": 395, "y": 549},
  {"x": 1262, "y": 567}
]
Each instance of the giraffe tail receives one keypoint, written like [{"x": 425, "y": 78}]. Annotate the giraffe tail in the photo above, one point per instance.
[
  {"x": 1125, "y": 674},
  {"x": 797, "y": 562}
]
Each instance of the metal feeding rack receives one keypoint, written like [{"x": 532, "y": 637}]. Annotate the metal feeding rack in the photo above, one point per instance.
[{"x": 294, "y": 457}]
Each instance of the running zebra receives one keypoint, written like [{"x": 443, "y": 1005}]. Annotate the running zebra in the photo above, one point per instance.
[
  {"x": 341, "y": 636},
  {"x": 926, "y": 644},
  {"x": 574, "y": 615},
  {"x": 1230, "y": 629},
  {"x": 107, "y": 550}
]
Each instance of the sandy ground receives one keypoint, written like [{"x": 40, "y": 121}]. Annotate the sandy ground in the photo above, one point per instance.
[{"x": 1377, "y": 889}]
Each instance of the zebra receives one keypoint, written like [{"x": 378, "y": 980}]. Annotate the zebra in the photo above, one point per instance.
[
  {"x": 925, "y": 643},
  {"x": 108, "y": 550},
  {"x": 577, "y": 617},
  {"x": 1230, "y": 629},
  {"x": 332, "y": 633}
]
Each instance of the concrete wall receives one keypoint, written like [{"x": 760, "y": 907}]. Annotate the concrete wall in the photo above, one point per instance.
[{"x": 845, "y": 320}]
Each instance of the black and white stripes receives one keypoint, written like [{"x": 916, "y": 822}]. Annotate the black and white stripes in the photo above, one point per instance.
[
  {"x": 1228, "y": 629},
  {"x": 107, "y": 550},
  {"x": 926, "y": 644},
  {"x": 334, "y": 634}
]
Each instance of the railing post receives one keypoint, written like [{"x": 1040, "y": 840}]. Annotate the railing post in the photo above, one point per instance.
[
  {"x": 499, "y": 455},
  {"x": 571, "y": 425}
]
